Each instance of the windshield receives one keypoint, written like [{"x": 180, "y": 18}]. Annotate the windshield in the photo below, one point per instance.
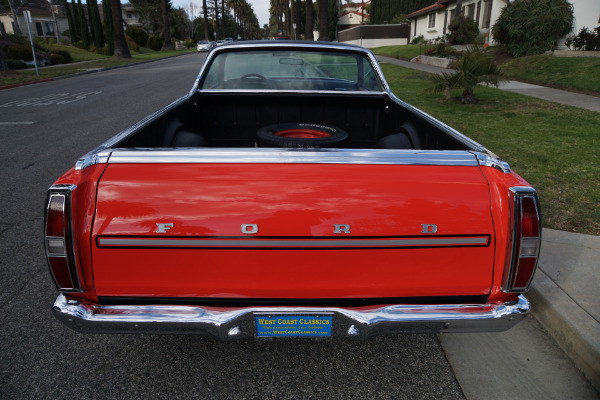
[{"x": 291, "y": 70}]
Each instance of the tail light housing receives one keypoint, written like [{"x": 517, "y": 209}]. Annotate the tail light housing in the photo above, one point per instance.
[
  {"x": 524, "y": 240},
  {"x": 58, "y": 238}
]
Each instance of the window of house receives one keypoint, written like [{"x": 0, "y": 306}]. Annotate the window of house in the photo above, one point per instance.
[
  {"x": 487, "y": 14},
  {"x": 49, "y": 28},
  {"x": 431, "y": 23},
  {"x": 38, "y": 29},
  {"x": 471, "y": 11},
  {"x": 129, "y": 16}
]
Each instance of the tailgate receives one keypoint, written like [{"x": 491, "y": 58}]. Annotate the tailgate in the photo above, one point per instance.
[{"x": 292, "y": 231}]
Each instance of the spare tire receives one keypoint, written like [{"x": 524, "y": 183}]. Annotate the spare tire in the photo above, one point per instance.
[{"x": 302, "y": 135}]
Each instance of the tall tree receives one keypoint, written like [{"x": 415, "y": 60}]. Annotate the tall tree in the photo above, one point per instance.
[
  {"x": 308, "y": 27},
  {"x": 168, "y": 45},
  {"x": 96, "y": 23},
  {"x": 205, "y": 12},
  {"x": 108, "y": 26},
  {"x": 83, "y": 25},
  {"x": 324, "y": 20},
  {"x": 72, "y": 32},
  {"x": 121, "y": 49},
  {"x": 76, "y": 20}
]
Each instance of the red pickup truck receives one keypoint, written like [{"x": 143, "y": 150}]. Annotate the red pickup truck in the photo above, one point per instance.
[{"x": 291, "y": 194}]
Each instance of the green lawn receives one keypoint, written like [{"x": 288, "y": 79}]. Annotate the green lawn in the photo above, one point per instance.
[
  {"x": 569, "y": 73},
  {"x": 581, "y": 73},
  {"x": 406, "y": 52},
  {"x": 554, "y": 147}
]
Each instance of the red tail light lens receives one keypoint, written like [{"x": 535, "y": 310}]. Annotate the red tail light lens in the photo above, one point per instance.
[
  {"x": 59, "y": 240},
  {"x": 524, "y": 246}
]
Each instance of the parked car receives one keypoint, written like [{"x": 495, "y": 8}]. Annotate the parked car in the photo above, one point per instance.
[
  {"x": 290, "y": 193},
  {"x": 205, "y": 45}
]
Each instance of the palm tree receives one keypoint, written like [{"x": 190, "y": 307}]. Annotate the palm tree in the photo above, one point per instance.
[
  {"x": 475, "y": 67},
  {"x": 121, "y": 49},
  {"x": 323, "y": 20},
  {"x": 308, "y": 27},
  {"x": 205, "y": 12}
]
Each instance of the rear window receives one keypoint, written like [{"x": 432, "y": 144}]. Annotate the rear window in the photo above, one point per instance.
[{"x": 291, "y": 70}]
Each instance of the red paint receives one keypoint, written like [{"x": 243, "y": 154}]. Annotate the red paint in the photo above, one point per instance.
[
  {"x": 302, "y": 134},
  {"x": 303, "y": 200}
]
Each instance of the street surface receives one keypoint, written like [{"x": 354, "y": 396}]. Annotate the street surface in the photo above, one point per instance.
[{"x": 45, "y": 128}]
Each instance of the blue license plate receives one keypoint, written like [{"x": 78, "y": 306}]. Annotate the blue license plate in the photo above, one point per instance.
[{"x": 290, "y": 325}]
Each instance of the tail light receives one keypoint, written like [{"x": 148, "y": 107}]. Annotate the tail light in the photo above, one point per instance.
[
  {"x": 524, "y": 244},
  {"x": 58, "y": 238}
]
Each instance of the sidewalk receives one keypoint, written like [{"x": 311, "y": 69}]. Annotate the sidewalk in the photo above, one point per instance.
[
  {"x": 591, "y": 103},
  {"x": 565, "y": 296},
  {"x": 565, "y": 293}
]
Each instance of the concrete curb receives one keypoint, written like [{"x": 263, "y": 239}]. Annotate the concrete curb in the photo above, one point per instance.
[
  {"x": 91, "y": 71},
  {"x": 565, "y": 294}
]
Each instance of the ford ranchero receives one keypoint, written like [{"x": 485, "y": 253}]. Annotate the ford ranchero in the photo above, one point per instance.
[{"x": 291, "y": 194}]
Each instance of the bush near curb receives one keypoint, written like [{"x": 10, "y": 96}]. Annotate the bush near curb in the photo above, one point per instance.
[{"x": 155, "y": 43}]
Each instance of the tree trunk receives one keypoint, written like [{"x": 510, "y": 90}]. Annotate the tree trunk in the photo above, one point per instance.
[
  {"x": 205, "y": 11},
  {"x": 121, "y": 50},
  {"x": 14, "y": 16},
  {"x": 223, "y": 18},
  {"x": 308, "y": 29},
  {"x": 168, "y": 45},
  {"x": 324, "y": 20}
]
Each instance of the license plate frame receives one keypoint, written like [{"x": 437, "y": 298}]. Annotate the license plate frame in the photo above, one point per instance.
[{"x": 298, "y": 325}]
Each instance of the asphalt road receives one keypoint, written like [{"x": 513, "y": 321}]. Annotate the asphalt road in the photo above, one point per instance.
[{"x": 44, "y": 129}]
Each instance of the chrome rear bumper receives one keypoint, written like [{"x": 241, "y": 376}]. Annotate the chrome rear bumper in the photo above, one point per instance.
[{"x": 234, "y": 323}]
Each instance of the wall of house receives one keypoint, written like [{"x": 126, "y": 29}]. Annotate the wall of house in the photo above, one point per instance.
[
  {"x": 438, "y": 31},
  {"x": 587, "y": 15}
]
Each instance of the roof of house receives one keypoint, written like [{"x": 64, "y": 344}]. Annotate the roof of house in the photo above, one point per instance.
[{"x": 439, "y": 4}]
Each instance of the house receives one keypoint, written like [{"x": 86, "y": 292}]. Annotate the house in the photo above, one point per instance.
[
  {"x": 432, "y": 21},
  {"x": 353, "y": 14},
  {"x": 43, "y": 21}
]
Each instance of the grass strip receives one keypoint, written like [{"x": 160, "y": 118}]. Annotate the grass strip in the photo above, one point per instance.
[
  {"x": 581, "y": 73},
  {"x": 93, "y": 62},
  {"x": 554, "y": 147}
]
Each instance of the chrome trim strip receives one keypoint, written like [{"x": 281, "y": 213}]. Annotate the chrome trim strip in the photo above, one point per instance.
[
  {"x": 293, "y": 156},
  {"x": 234, "y": 323},
  {"x": 493, "y": 162},
  {"x": 288, "y": 243}
]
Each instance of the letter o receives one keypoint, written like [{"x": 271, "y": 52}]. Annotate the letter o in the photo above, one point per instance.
[{"x": 249, "y": 228}]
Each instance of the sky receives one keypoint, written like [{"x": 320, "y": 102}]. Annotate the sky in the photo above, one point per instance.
[{"x": 261, "y": 8}]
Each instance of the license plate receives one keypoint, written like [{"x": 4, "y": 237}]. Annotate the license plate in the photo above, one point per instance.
[{"x": 291, "y": 325}]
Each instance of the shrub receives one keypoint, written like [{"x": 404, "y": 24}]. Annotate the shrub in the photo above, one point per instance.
[
  {"x": 64, "y": 54},
  {"x": 585, "y": 40},
  {"x": 16, "y": 64},
  {"x": 20, "y": 52},
  {"x": 528, "y": 27},
  {"x": 138, "y": 35},
  {"x": 155, "y": 42},
  {"x": 56, "y": 59},
  {"x": 189, "y": 43},
  {"x": 80, "y": 45},
  {"x": 463, "y": 30},
  {"x": 132, "y": 45},
  {"x": 443, "y": 50},
  {"x": 418, "y": 40},
  {"x": 105, "y": 51}
]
